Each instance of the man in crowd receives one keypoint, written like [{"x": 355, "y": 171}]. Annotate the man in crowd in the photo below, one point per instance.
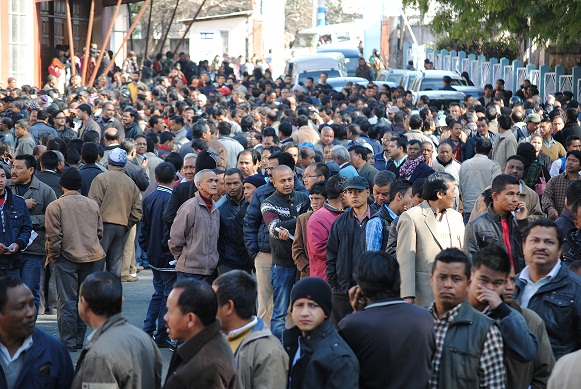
[
  {"x": 119, "y": 202},
  {"x": 397, "y": 151},
  {"x": 26, "y": 143},
  {"x": 547, "y": 287},
  {"x": 553, "y": 200},
  {"x": 232, "y": 207},
  {"x": 194, "y": 232},
  {"x": 154, "y": 241},
  {"x": 384, "y": 326},
  {"x": 73, "y": 230},
  {"x": 37, "y": 196},
  {"x": 204, "y": 357},
  {"x": 476, "y": 174},
  {"x": 423, "y": 232},
  {"x": 118, "y": 354},
  {"x": 85, "y": 114},
  {"x": 358, "y": 156},
  {"x": 346, "y": 244},
  {"x": 280, "y": 212},
  {"x": 455, "y": 322},
  {"x": 89, "y": 170},
  {"x": 498, "y": 225},
  {"x": 259, "y": 357},
  {"x": 314, "y": 173},
  {"x": 377, "y": 229},
  {"x": 29, "y": 355},
  {"x": 318, "y": 356},
  {"x": 482, "y": 133}
]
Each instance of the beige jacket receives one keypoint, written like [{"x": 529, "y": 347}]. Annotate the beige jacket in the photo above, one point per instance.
[
  {"x": 504, "y": 147},
  {"x": 194, "y": 237},
  {"x": 305, "y": 134},
  {"x": 118, "y": 197},
  {"x": 73, "y": 229},
  {"x": 417, "y": 246}
]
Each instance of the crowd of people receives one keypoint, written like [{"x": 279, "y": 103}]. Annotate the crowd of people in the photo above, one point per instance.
[{"x": 298, "y": 236}]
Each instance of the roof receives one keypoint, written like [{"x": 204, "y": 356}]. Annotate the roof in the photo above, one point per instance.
[{"x": 218, "y": 17}]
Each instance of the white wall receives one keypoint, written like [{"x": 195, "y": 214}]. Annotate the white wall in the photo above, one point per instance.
[
  {"x": 273, "y": 32},
  {"x": 206, "y": 38}
]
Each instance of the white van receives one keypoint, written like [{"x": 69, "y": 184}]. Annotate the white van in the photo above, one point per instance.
[
  {"x": 341, "y": 34},
  {"x": 313, "y": 65}
]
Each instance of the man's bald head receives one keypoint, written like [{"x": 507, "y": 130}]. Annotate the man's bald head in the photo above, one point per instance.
[
  {"x": 283, "y": 179},
  {"x": 281, "y": 169},
  {"x": 111, "y": 134}
]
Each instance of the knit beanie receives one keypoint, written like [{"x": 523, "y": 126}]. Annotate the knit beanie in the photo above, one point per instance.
[
  {"x": 206, "y": 160},
  {"x": 71, "y": 179},
  {"x": 117, "y": 157},
  {"x": 315, "y": 289},
  {"x": 257, "y": 180}
]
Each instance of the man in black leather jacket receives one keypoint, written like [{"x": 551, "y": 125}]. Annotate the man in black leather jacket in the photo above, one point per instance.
[
  {"x": 548, "y": 287},
  {"x": 498, "y": 225}
]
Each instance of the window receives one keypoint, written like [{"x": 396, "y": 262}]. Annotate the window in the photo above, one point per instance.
[{"x": 20, "y": 42}]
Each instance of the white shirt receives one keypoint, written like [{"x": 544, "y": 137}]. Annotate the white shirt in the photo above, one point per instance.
[
  {"x": 531, "y": 287},
  {"x": 27, "y": 344}
]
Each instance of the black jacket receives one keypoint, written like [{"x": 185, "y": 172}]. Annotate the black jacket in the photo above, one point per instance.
[
  {"x": 345, "y": 245},
  {"x": 88, "y": 173},
  {"x": 572, "y": 246},
  {"x": 52, "y": 179},
  {"x": 568, "y": 130},
  {"x": 231, "y": 246},
  {"x": 326, "y": 361},
  {"x": 154, "y": 233},
  {"x": 181, "y": 193},
  {"x": 486, "y": 229},
  {"x": 137, "y": 174},
  {"x": 558, "y": 303}
]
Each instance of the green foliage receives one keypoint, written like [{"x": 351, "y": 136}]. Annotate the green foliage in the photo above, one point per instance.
[
  {"x": 496, "y": 49},
  {"x": 551, "y": 21}
]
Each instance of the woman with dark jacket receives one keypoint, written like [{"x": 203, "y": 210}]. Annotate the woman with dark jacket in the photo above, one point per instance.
[{"x": 534, "y": 170}]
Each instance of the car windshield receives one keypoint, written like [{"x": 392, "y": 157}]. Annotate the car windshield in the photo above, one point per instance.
[
  {"x": 315, "y": 74},
  {"x": 436, "y": 83},
  {"x": 304, "y": 40},
  {"x": 351, "y": 64},
  {"x": 396, "y": 78}
]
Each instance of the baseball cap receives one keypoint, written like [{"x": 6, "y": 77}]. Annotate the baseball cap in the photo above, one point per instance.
[
  {"x": 534, "y": 117},
  {"x": 358, "y": 183}
]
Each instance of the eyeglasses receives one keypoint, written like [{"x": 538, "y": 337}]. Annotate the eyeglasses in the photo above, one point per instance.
[{"x": 385, "y": 140}]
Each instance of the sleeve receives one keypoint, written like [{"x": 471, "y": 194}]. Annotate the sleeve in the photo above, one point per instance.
[
  {"x": 172, "y": 208},
  {"x": 534, "y": 207},
  {"x": 271, "y": 218},
  {"x": 544, "y": 360},
  {"x": 141, "y": 179},
  {"x": 270, "y": 369},
  {"x": 406, "y": 255},
  {"x": 299, "y": 247},
  {"x": 252, "y": 222},
  {"x": 555, "y": 167},
  {"x": 180, "y": 229},
  {"x": 520, "y": 342},
  {"x": 392, "y": 240},
  {"x": 143, "y": 237},
  {"x": 492, "y": 370},
  {"x": 374, "y": 233},
  {"x": 495, "y": 171},
  {"x": 99, "y": 224},
  {"x": 332, "y": 251},
  {"x": 318, "y": 238},
  {"x": 344, "y": 373},
  {"x": 136, "y": 210},
  {"x": 95, "y": 371},
  {"x": 547, "y": 202},
  {"x": 96, "y": 191},
  {"x": 54, "y": 233},
  {"x": 48, "y": 196},
  {"x": 470, "y": 240},
  {"x": 25, "y": 229}
]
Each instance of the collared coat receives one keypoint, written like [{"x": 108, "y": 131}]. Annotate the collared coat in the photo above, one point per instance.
[{"x": 417, "y": 247}]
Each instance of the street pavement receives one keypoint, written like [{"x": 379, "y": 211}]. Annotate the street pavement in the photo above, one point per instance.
[{"x": 137, "y": 296}]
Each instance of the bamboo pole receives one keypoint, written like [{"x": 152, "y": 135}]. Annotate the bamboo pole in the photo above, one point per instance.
[
  {"x": 169, "y": 26},
  {"x": 88, "y": 43},
  {"x": 137, "y": 18},
  {"x": 147, "y": 36},
  {"x": 188, "y": 29},
  {"x": 105, "y": 42},
  {"x": 71, "y": 43}
]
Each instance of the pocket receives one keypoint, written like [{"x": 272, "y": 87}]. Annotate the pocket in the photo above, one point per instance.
[
  {"x": 465, "y": 365},
  {"x": 488, "y": 238}
]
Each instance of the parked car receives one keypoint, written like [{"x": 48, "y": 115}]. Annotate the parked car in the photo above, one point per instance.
[
  {"x": 338, "y": 83},
  {"x": 401, "y": 77},
  {"x": 429, "y": 82},
  {"x": 313, "y": 65},
  {"x": 352, "y": 56}
]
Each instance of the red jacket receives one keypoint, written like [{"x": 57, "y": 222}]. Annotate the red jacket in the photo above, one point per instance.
[{"x": 318, "y": 229}]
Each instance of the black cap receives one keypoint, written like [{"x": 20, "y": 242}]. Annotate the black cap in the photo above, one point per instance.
[
  {"x": 315, "y": 289},
  {"x": 71, "y": 179},
  {"x": 358, "y": 182}
]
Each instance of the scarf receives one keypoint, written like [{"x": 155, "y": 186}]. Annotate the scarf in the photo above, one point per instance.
[{"x": 407, "y": 168}]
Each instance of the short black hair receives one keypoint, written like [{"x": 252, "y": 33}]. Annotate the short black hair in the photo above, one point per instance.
[
  {"x": 495, "y": 257},
  {"x": 224, "y": 128},
  {"x": 418, "y": 187},
  {"x": 198, "y": 297},
  {"x": 233, "y": 171},
  {"x": 49, "y": 160},
  {"x": 545, "y": 223},
  {"x": 384, "y": 178},
  {"x": 336, "y": 186},
  {"x": 284, "y": 158},
  {"x": 322, "y": 169},
  {"x": 176, "y": 160},
  {"x": 103, "y": 293},
  {"x": 573, "y": 192},
  {"x": 165, "y": 173},
  {"x": 401, "y": 142},
  {"x": 500, "y": 182},
  {"x": 285, "y": 128},
  {"x": 483, "y": 146},
  {"x": 239, "y": 287},
  {"x": 399, "y": 186},
  {"x": 453, "y": 255},
  {"x": 377, "y": 274},
  {"x": 28, "y": 159},
  {"x": 6, "y": 283},
  {"x": 438, "y": 182},
  {"x": 320, "y": 188}
]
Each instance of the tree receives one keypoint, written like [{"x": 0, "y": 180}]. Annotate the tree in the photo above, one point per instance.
[{"x": 544, "y": 21}]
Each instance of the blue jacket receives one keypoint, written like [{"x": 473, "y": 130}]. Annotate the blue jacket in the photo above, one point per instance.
[
  {"x": 380, "y": 161},
  {"x": 46, "y": 365},
  {"x": 231, "y": 246},
  {"x": 88, "y": 173},
  {"x": 39, "y": 128},
  {"x": 471, "y": 144},
  {"x": 422, "y": 171},
  {"x": 256, "y": 237},
  {"x": 16, "y": 228},
  {"x": 154, "y": 232}
]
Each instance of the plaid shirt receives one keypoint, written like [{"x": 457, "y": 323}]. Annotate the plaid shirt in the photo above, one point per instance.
[
  {"x": 492, "y": 371},
  {"x": 555, "y": 193}
]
